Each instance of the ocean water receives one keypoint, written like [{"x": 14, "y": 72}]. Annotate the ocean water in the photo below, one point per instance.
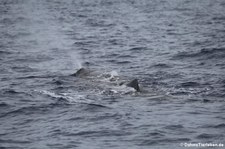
[{"x": 175, "y": 48}]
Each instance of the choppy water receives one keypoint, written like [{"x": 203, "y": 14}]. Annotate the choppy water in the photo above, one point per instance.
[{"x": 176, "y": 48}]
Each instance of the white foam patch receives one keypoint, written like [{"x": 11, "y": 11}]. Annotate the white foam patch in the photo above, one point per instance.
[
  {"x": 114, "y": 73},
  {"x": 69, "y": 97},
  {"x": 121, "y": 90}
]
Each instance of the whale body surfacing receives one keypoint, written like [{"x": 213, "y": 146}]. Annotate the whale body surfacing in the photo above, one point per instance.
[{"x": 82, "y": 72}]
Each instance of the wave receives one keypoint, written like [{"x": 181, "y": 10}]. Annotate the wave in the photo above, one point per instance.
[
  {"x": 209, "y": 136},
  {"x": 4, "y": 105},
  {"x": 25, "y": 110},
  {"x": 23, "y": 69},
  {"x": 222, "y": 125},
  {"x": 216, "y": 126},
  {"x": 190, "y": 84},
  {"x": 72, "y": 98},
  {"x": 163, "y": 141},
  {"x": 35, "y": 109},
  {"x": 4, "y": 52},
  {"x": 217, "y": 93},
  {"x": 100, "y": 133},
  {"x": 123, "y": 62},
  {"x": 174, "y": 127},
  {"x": 206, "y": 53},
  {"x": 10, "y": 141},
  {"x": 37, "y": 77},
  {"x": 161, "y": 65},
  {"x": 190, "y": 90},
  {"x": 136, "y": 49},
  {"x": 9, "y": 91},
  {"x": 13, "y": 92}
]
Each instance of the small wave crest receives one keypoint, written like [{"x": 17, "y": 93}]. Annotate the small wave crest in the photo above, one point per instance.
[
  {"x": 209, "y": 136},
  {"x": 216, "y": 126},
  {"x": 161, "y": 65},
  {"x": 13, "y": 92},
  {"x": 190, "y": 84},
  {"x": 206, "y": 53}
]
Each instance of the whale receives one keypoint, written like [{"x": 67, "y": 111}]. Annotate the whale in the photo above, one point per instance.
[
  {"x": 81, "y": 73},
  {"x": 86, "y": 73}
]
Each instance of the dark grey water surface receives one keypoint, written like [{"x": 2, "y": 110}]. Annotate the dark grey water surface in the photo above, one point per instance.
[{"x": 176, "y": 48}]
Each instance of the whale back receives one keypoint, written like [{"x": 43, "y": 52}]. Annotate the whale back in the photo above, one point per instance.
[{"x": 81, "y": 72}]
